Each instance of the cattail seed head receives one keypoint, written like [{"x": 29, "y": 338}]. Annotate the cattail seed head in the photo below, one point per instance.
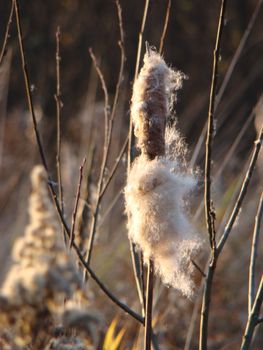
[
  {"x": 151, "y": 100},
  {"x": 160, "y": 179}
]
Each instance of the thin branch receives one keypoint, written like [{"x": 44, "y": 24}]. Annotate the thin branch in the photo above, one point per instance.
[
  {"x": 148, "y": 311},
  {"x": 135, "y": 256},
  {"x": 103, "y": 164},
  {"x": 110, "y": 207},
  {"x": 74, "y": 214},
  {"x": 6, "y": 37},
  {"x": 114, "y": 168},
  {"x": 238, "y": 53},
  {"x": 227, "y": 158},
  {"x": 123, "y": 58},
  {"x": 242, "y": 193},
  {"x": 50, "y": 183},
  {"x": 253, "y": 318},
  {"x": 166, "y": 21},
  {"x": 195, "y": 312},
  {"x": 142, "y": 281},
  {"x": 27, "y": 85},
  {"x": 228, "y": 75},
  {"x": 108, "y": 131},
  {"x": 84, "y": 206},
  {"x": 198, "y": 268},
  {"x": 209, "y": 211},
  {"x": 253, "y": 256},
  {"x": 206, "y": 303},
  {"x": 210, "y": 215},
  {"x": 58, "y": 110}
]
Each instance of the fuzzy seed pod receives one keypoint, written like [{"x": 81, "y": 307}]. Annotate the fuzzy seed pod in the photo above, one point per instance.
[
  {"x": 151, "y": 99},
  {"x": 160, "y": 180}
]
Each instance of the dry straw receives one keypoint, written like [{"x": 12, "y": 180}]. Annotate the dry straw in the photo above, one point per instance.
[{"x": 160, "y": 181}]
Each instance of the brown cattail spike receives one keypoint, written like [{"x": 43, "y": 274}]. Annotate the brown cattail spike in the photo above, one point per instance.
[{"x": 152, "y": 92}]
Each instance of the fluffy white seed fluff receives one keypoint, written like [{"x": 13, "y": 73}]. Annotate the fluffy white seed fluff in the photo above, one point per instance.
[
  {"x": 158, "y": 186},
  {"x": 155, "y": 201}
]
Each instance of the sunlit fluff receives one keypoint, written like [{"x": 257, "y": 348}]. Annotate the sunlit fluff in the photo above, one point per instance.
[{"x": 157, "y": 189}]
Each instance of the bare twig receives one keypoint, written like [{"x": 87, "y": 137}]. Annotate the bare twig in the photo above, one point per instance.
[
  {"x": 227, "y": 158},
  {"x": 6, "y": 37},
  {"x": 84, "y": 206},
  {"x": 115, "y": 166},
  {"x": 209, "y": 211},
  {"x": 252, "y": 321},
  {"x": 130, "y": 156},
  {"x": 50, "y": 184},
  {"x": 74, "y": 214},
  {"x": 103, "y": 165},
  {"x": 210, "y": 215},
  {"x": 166, "y": 21},
  {"x": 242, "y": 193},
  {"x": 228, "y": 228},
  {"x": 108, "y": 130},
  {"x": 195, "y": 312},
  {"x": 253, "y": 256},
  {"x": 198, "y": 268},
  {"x": 148, "y": 311},
  {"x": 228, "y": 75},
  {"x": 110, "y": 207},
  {"x": 122, "y": 51},
  {"x": 58, "y": 109}
]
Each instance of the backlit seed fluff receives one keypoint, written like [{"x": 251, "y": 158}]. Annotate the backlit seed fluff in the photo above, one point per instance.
[
  {"x": 158, "y": 186},
  {"x": 153, "y": 92}
]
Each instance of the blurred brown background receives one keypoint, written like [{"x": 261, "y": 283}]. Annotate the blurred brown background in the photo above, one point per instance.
[{"x": 188, "y": 46}]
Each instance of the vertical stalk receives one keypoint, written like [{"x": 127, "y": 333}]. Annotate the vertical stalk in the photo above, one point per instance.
[
  {"x": 209, "y": 211},
  {"x": 58, "y": 110},
  {"x": 253, "y": 319},
  {"x": 148, "y": 311},
  {"x": 253, "y": 256},
  {"x": 138, "y": 272}
]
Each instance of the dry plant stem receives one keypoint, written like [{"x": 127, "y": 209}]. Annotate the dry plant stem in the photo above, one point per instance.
[
  {"x": 198, "y": 268},
  {"x": 210, "y": 215},
  {"x": 103, "y": 165},
  {"x": 195, "y": 312},
  {"x": 138, "y": 274},
  {"x": 253, "y": 319},
  {"x": 228, "y": 75},
  {"x": 3, "y": 50},
  {"x": 209, "y": 212},
  {"x": 242, "y": 193},
  {"x": 119, "y": 81},
  {"x": 212, "y": 265},
  {"x": 27, "y": 85},
  {"x": 50, "y": 183},
  {"x": 145, "y": 12},
  {"x": 166, "y": 21},
  {"x": 75, "y": 210},
  {"x": 206, "y": 303},
  {"x": 108, "y": 131},
  {"x": 58, "y": 109},
  {"x": 227, "y": 158},
  {"x": 253, "y": 256},
  {"x": 84, "y": 208},
  {"x": 148, "y": 311},
  {"x": 115, "y": 166},
  {"x": 110, "y": 207}
]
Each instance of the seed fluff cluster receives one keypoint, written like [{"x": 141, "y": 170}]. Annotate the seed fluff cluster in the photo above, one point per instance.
[
  {"x": 160, "y": 179},
  {"x": 43, "y": 281}
]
